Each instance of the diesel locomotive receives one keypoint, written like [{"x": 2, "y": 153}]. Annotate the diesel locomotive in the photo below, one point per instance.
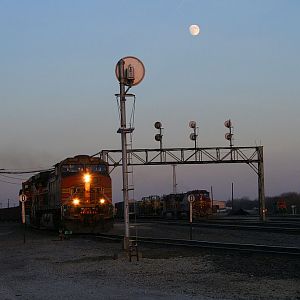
[
  {"x": 172, "y": 206},
  {"x": 76, "y": 196}
]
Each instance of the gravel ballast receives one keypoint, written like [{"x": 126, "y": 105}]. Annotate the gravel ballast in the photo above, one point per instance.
[{"x": 83, "y": 268}]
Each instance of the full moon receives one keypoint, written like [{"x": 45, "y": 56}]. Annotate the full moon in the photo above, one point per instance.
[{"x": 194, "y": 29}]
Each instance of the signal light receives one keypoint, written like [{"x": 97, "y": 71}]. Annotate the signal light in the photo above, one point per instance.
[
  {"x": 193, "y": 136},
  {"x": 192, "y": 124},
  {"x": 229, "y": 135},
  {"x": 158, "y": 137},
  {"x": 158, "y": 125},
  {"x": 228, "y": 123}
]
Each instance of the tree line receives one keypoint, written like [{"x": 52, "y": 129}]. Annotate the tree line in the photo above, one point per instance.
[{"x": 290, "y": 198}]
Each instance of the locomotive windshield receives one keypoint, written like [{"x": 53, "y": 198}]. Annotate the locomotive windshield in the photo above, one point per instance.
[
  {"x": 97, "y": 168},
  {"x": 71, "y": 169},
  {"x": 206, "y": 194},
  {"x": 65, "y": 169}
]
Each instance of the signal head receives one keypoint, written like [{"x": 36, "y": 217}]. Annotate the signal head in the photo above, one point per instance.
[
  {"x": 228, "y": 124},
  {"x": 133, "y": 68},
  {"x": 193, "y": 136},
  {"x": 158, "y": 137},
  {"x": 192, "y": 124},
  {"x": 157, "y": 125},
  {"x": 228, "y": 136}
]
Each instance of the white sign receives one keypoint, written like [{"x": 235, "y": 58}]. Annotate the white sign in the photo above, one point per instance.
[
  {"x": 191, "y": 198},
  {"x": 23, "y": 197}
]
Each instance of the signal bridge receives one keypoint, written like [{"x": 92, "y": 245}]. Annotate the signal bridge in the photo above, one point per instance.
[{"x": 252, "y": 156}]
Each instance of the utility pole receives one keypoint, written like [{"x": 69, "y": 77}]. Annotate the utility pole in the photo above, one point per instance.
[
  {"x": 232, "y": 196},
  {"x": 212, "y": 199},
  {"x": 174, "y": 180}
]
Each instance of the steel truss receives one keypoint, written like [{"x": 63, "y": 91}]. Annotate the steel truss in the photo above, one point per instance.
[{"x": 252, "y": 156}]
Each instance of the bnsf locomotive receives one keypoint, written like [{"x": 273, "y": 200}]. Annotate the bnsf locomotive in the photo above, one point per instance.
[
  {"x": 173, "y": 206},
  {"x": 75, "y": 196}
]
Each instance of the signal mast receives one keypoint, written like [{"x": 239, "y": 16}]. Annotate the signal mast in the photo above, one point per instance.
[{"x": 130, "y": 71}]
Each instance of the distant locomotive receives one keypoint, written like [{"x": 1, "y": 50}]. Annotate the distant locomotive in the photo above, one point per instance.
[
  {"x": 280, "y": 206},
  {"x": 173, "y": 206},
  {"x": 75, "y": 196}
]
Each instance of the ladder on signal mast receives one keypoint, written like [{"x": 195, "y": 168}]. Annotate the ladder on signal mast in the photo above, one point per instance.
[{"x": 133, "y": 232}]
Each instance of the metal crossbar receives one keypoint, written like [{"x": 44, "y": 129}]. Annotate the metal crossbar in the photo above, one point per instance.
[
  {"x": 248, "y": 155},
  {"x": 252, "y": 156}
]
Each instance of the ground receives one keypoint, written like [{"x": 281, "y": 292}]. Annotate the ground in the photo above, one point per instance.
[{"x": 83, "y": 268}]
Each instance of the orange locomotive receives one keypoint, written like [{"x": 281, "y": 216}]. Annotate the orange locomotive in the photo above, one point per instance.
[{"x": 75, "y": 196}]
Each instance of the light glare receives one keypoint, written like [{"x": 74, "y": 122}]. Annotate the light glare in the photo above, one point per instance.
[
  {"x": 76, "y": 201},
  {"x": 87, "y": 178}
]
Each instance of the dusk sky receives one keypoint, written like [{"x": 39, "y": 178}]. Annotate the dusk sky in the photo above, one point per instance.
[{"x": 57, "y": 86}]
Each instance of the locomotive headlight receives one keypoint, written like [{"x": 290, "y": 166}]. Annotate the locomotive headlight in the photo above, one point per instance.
[
  {"x": 102, "y": 201},
  {"x": 87, "y": 182},
  {"x": 76, "y": 201},
  {"x": 87, "y": 178}
]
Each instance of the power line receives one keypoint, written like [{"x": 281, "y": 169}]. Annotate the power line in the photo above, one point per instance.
[
  {"x": 5, "y": 171},
  {"x": 9, "y": 182},
  {"x": 11, "y": 177},
  {"x": 16, "y": 172}
]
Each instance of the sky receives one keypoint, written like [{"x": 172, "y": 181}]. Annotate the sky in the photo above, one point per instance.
[{"x": 57, "y": 86}]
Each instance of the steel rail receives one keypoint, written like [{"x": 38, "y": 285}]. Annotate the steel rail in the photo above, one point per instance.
[
  {"x": 208, "y": 245},
  {"x": 263, "y": 227},
  {"x": 274, "y": 227}
]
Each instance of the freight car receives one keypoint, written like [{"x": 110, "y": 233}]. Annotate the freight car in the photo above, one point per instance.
[
  {"x": 172, "y": 206},
  {"x": 75, "y": 196}
]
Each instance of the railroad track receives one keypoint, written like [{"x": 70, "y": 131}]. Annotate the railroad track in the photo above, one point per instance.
[
  {"x": 208, "y": 245},
  {"x": 261, "y": 227},
  {"x": 254, "y": 222}
]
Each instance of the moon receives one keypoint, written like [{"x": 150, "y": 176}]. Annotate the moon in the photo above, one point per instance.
[{"x": 194, "y": 29}]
